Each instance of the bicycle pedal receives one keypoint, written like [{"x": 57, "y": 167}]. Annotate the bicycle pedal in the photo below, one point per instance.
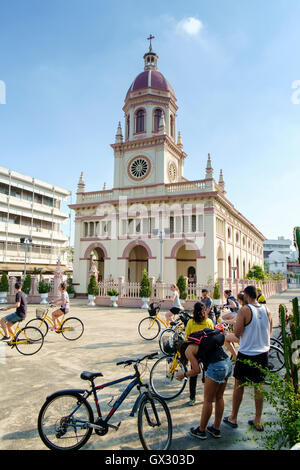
[{"x": 116, "y": 428}]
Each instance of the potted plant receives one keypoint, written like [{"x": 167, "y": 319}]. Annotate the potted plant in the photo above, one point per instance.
[
  {"x": 114, "y": 295},
  {"x": 145, "y": 289},
  {"x": 4, "y": 288},
  {"x": 217, "y": 293},
  {"x": 70, "y": 288},
  {"x": 26, "y": 287},
  {"x": 43, "y": 289},
  {"x": 92, "y": 290},
  {"x": 181, "y": 284}
]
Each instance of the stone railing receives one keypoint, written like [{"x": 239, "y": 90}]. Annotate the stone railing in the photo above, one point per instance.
[{"x": 129, "y": 291}]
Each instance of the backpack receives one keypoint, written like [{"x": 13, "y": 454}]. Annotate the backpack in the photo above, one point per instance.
[
  {"x": 236, "y": 303},
  {"x": 207, "y": 340}
]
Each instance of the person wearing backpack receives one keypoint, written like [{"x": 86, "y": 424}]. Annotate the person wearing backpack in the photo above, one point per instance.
[
  {"x": 198, "y": 322},
  {"x": 206, "y": 346}
]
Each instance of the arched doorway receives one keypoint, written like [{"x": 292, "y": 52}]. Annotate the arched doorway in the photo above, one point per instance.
[
  {"x": 137, "y": 262},
  {"x": 229, "y": 267},
  {"x": 186, "y": 262},
  {"x": 97, "y": 255}
]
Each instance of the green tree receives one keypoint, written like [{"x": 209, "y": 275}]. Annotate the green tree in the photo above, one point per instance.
[
  {"x": 93, "y": 286},
  {"x": 43, "y": 287},
  {"x": 27, "y": 284},
  {"x": 4, "y": 284},
  {"x": 181, "y": 284},
  {"x": 256, "y": 273},
  {"x": 145, "y": 288},
  {"x": 217, "y": 293},
  {"x": 70, "y": 288}
]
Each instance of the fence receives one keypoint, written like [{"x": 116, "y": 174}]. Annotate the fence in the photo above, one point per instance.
[{"x": 129, "y": 291}]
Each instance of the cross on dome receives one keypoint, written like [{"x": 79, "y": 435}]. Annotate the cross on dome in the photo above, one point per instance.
[{"x": 150, "y": 39}]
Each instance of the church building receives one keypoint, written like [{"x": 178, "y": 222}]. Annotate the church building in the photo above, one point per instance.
[{"x": 154, "y": 218}]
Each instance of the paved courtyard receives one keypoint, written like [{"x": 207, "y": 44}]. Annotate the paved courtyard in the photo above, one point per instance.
[{"x": 110, "y": 335}]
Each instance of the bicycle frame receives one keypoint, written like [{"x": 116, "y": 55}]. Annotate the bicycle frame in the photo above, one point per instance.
[{"x": 87, "y": 393}]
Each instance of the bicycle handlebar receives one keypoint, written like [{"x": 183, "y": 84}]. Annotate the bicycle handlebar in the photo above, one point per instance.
[{"x": 136, "y": 361}]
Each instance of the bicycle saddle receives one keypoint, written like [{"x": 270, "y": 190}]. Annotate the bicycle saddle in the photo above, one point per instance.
[
  {"x": 90, "y": 375},
  {"x": 174, "y": 323}
]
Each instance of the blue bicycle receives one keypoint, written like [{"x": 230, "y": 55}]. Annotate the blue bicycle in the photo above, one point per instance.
[{"x": 66, "y": 419}]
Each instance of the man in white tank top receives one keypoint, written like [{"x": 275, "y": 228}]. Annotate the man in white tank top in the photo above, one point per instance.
[{"x": 252, "y": 328}]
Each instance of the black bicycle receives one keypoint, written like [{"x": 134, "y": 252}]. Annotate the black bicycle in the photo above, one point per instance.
[{"x": 66, "y": 419}]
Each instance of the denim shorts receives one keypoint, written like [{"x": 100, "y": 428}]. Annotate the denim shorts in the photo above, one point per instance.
[
  {"x": 13, "y": 318},
  {"x": 219, "y": 371}
]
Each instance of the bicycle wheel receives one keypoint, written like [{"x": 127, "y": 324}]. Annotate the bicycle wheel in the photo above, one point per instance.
[
  {"x": 277, "y": 343},
  {"x": 40, "y": 324},
  {"x": 149, "y": 328},
  {"x": 154, "y": 424},
  {"x": 163, "y": 378},
  {"x": 29, "y": 340},
  {"x": 275, "y": 359},
  {"x": 63, "y": 421},
  {"x": 72, "y": 328},
  {"x": 164, "y": 340}
]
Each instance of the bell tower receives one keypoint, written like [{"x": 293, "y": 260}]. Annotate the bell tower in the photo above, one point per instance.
[{"x": 147, "y": 152}]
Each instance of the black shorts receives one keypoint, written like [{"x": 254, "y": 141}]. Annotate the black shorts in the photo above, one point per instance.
[
  {"x": 175, "y": 310},
  {"x": 250, "y": 373}
]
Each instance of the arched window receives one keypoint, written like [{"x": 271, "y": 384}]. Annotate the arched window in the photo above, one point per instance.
[
  {"x": 172, "y": 132},
  {"x": 157, "y": 115},
  {"x": 229, "y": 267},
  {"x": 128, "y": 126},
  {"x": 140, "y": 121}
]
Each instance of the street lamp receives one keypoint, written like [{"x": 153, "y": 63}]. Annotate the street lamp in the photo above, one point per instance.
[
  {"x": 26, "y": 242},
  {"x": 156, "y": 232}
]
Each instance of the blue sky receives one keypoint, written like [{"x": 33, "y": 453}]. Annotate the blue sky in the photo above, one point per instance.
[{"x": 67, "y": 65}]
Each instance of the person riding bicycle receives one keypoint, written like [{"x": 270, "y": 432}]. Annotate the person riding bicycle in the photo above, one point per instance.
[
  {"x": 232, "y": 304},
  {"x": 64, "y": 308},
  {"x": 218, "y": 369},
  {"x": 176, "y": 308},
  {"x": 18, "y": 315},
  {"x": 196, "y": 323}
]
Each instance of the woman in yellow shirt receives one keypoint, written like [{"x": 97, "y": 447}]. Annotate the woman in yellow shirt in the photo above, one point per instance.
[{"x": 198, "y": 322}]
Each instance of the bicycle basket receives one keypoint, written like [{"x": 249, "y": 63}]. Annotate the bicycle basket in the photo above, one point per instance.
[
  {"x": 152, "y": 310},
  {"x": 40, "y": 312}
]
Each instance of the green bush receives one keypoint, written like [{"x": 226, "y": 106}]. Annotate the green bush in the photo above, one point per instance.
[
  {"x": 217, "y": 293},
  {"x": 145, "y": 289},
  {"x": 27, "y": 284},
  {"x": 4, "y": 284},
  {"x": 113, "y": 293},
  {"x": 181, "y": 284},
  {"x": 43, "y": 287},
  {"x": 256, "y": 273},
  {"x": 70, "y": 288},
  {"x": 93, "y": 286}
]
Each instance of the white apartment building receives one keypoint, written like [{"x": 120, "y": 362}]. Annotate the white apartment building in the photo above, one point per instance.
[
  {"x": 31, "y": 209},
  {"x": 282, "y": 245}
]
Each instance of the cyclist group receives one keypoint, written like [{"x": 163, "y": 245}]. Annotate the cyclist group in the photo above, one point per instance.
[
  {"x": 20, "y": 307},
  {"x": 251, "y": 327}
]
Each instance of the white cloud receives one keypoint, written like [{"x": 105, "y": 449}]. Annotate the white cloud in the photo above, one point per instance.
[{"x": 190, "y": 26}]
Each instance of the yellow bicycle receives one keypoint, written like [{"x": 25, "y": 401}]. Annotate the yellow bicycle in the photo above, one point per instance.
[
  {"x": 150, "y": 327},
  {"x": 71, "y": 328},
  {"x": 28, "y": 340},
  {"x": 163, "y": 377}
]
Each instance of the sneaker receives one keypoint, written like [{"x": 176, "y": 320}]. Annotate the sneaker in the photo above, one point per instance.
[
  {"x": 195, "y": 432},
  {"x": 214, "y": 432},
  {"x": 192, "y": 402}
]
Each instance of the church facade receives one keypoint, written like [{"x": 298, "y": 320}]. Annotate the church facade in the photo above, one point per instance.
[{"x": 154, "y": 218}]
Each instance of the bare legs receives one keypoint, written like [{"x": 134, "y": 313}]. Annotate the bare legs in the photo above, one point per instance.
[
  {"x": 237, "y": 399},
  {"x": 213, "y": 392}
]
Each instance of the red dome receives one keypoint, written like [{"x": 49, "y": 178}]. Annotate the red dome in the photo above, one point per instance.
[{"x": 150, "y": 79}]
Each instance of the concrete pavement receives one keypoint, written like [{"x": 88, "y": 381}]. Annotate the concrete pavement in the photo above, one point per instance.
[{"x": 110, "y": 335}]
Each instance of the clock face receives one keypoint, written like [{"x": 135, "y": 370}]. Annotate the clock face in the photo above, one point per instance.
[
  {"x": 139, "y": 168},
  {"x": 172, "y": 172}
]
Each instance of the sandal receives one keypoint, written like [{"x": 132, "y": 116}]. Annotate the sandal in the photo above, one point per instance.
[
  {"x": 251, "y": 423},
  {"x": 226, "y": 420}
]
